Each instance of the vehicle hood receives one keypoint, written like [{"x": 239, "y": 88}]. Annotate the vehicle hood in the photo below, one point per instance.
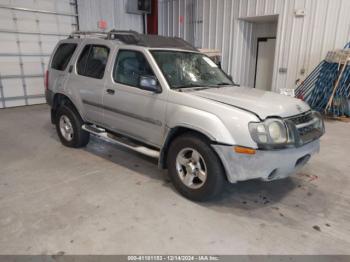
[{"x": 262, "y": 103}]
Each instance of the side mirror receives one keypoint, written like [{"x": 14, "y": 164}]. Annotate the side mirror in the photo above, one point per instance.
[{"x": 149, "y": 83}]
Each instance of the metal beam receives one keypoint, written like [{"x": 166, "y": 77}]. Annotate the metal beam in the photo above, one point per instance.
[
  {"x": 20, "y": 76},
  {"x": 30, "y": 33},
  {"x": 21, "y": 97},
  {"x": 14, "y": 54},
  {"x": 36, "y": 10}
]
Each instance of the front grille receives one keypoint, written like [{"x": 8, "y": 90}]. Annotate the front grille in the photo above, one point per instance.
[
  {"x": 301, "y": 119},
  {"x": 305, "y": 127},
  {"x": 305, "y": 130}
]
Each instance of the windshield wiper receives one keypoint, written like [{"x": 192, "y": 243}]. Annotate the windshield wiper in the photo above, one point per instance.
[
  {"x": 186, "y": 86},
  {"x": 218, "y": 85},
  {"x": 224, "y": 84},
  {"x": 202, "y": 87}
]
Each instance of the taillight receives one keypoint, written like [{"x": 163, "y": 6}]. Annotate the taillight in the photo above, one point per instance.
[{"x": 46, "y": 81}]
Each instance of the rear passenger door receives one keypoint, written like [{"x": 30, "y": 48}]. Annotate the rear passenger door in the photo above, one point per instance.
[{"x": 87, "y": 80}]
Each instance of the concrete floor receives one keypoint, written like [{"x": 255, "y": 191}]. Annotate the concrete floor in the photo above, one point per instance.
[{"x": 107, "y": 200}]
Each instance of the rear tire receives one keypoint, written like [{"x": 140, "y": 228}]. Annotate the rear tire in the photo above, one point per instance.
[
  {"x": 68, "y": 127},
  {"x": 192, "y": 155}
]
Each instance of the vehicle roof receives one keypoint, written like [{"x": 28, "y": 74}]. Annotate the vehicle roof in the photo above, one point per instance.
[{"x": 119, "y": 37}]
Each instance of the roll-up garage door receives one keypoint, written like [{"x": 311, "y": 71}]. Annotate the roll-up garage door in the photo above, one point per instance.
[{"x": 29, "y": 30}]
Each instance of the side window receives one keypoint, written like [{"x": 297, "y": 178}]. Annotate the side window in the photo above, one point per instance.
[
  {"x": 62, "y": 56},
  {"x": 129, "y": 66},
  {"x": 92, "y": 61}
]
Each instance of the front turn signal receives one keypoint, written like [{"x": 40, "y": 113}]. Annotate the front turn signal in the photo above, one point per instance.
[{"x": 245, "y": 150}]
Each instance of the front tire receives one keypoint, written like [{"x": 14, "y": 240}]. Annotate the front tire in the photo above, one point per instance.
[
  {"x": 194, "y": 168},
  {"x": 68, "y": 127}
]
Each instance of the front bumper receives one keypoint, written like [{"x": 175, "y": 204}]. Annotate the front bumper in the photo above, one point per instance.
[{"x": 265, "y": 164}]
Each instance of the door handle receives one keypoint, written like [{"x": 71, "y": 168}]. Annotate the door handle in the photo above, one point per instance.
[
  {"x": 70, "y": 69},
  {"x": 110, "y": 91}
]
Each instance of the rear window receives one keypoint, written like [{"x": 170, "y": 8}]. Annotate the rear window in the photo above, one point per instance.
[{"x": 62, "y": 56}]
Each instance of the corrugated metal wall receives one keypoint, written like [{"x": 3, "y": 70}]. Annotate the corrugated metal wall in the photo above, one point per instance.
[
  {"x": 302, "y": 42},
  {"x": 112, "y": 11}
]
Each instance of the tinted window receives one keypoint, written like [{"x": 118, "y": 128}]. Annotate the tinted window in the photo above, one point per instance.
[
  {"x": 92, "y": 61},
  {"x": 62, "y": 56},
  {"x": 129, "y": 66}
]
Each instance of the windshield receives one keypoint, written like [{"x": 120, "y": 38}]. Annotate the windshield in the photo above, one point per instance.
[{"x": 186, "y": 69}]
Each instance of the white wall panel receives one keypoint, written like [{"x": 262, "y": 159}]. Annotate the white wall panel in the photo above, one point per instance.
[
  {"x": 27, "y": 38},
  {"x": 17, "y": 102},
  {"x": 302, "y": 42},
  {"x": 35, "y": 86},
  {"x": 12, "y": 88},
  {"x": 34, "y": 101},
  {"x": 9, "y": 65}
]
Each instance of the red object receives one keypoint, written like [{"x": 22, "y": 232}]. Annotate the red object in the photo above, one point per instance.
[
  {"x": 102, "y": 24},
  {"x": 46, "y": 80},
  {"x": 152, "y": 19},
  {"x": 181, "y": 19}
]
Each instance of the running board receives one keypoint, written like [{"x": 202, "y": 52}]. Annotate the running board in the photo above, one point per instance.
[{"x": 109, "y": 137}]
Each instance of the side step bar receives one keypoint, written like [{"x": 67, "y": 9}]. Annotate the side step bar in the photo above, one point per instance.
[{"x": 102, "y": 133}]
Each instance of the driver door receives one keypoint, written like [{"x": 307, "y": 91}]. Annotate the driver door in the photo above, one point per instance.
[{"x": 128, "y": 109}]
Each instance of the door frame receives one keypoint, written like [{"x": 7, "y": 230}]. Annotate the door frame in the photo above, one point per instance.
[{"x": 260, "y": 39}]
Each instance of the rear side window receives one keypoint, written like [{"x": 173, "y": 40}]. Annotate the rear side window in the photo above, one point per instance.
[
  {"x": 62, "y": 56},
  {"x": 92, "y": 61}
]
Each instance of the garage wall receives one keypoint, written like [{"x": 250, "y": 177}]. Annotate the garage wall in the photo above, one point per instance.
[
  {"x": 112, "y": 11},
  {"x": 29, "y": 30},
  {"x": 302, "y": 42}
]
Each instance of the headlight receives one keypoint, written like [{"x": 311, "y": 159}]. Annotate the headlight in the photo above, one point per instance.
[
  {"x": 277, "y": 132},
  {"x": 318, "y": 124},
  {"x": 270, "y": 133}
]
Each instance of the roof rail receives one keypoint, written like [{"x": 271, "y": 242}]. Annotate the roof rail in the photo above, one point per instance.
[
  {"x": 78, "y": 34},
  {"x": 125, "y": 36},
  {"x": 131, "y": 37}
]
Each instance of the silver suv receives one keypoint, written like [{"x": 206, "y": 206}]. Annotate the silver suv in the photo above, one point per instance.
[{"x": 161, "y": 97}]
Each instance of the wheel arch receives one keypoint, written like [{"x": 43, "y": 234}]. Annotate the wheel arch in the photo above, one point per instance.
[
  {"x": 175, "y": 132},
  {"x": 60, "y": 99}
]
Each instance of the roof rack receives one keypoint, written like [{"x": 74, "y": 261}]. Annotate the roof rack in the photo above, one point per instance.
[
  {"x": 126, "y": 36},
  {"x": 131, "y": 37},
  {"x": 78, "y": 34}
]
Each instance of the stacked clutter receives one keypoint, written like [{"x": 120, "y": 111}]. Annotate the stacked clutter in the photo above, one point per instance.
[{"x": 327, "y": 88}]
